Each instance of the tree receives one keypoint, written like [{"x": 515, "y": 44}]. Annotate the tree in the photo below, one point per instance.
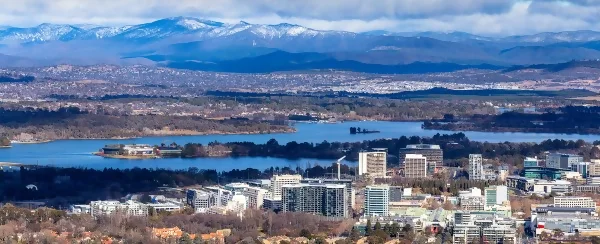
[
  {"x": 305, "y": 233},
  {"x": 354, "y": 235},
  {"x": 387, "y": 228},
  {"x": 198, "y": 240},
  {"x": 145, "y": 198},
  {"x": 557, "y": 233},
  {"x": 377, "y": 226},
  {"x": 320, "y": 240},
  {"x": 394, "y": 229},
  {"x": 185, "y": 239},
  {"x": 4, "y": 142},
  {"x": 368, "y": 229}
]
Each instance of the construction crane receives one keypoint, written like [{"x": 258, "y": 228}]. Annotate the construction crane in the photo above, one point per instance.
[{"x": 339, "y": 161}]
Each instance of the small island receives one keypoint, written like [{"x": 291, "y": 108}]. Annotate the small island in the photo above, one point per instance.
[
  {"x": 5, "y": 142},
  {"x": 358, "y": 130}
]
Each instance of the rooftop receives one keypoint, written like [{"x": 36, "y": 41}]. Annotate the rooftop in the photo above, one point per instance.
[{"x": 422, "y": 146}]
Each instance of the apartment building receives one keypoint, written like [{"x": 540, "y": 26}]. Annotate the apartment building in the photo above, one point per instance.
[
  {"x": 329, "y": 200},
  {"x": 415, "y": 166},
  {"x": 476, "y": 167},
  {"x": 255, "y": 197},
  {"x": 373, "y": 163}
]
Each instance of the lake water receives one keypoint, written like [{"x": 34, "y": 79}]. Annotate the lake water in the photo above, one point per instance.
[{"x": 66, "y": 153}]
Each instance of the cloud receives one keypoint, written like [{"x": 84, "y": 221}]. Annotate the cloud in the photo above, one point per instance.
[{"x": 488, "y": 17}]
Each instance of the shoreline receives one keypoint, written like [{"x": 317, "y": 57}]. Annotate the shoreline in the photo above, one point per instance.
[
  {"x": 30, "y": 142},
  {"x": 292, "y": 130},
  {"x": 510, "y": 130}
]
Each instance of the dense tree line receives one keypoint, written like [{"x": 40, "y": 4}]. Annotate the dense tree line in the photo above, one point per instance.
[
  {"x": 355, "y": 108},
  {"x": 69, "y": 123},
  {"x": 34, "y": 225},
  {"x": 455, "y": 146},
  {"x": 62, "y": 186},
  {"x": 569, "y": 119}
]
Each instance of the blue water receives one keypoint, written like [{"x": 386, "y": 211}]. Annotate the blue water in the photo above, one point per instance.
[{"x": 78, "y": 152}]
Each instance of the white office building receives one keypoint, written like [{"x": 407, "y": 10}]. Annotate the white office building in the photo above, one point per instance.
[
  {"x": 574, "y": 202},
  {"x": 129, "y": 208},
  {"x": 377, "y": 200},
  {"x": 476, "y": 167},
  {"x": 277, "y": 181},
  {"x": 373, "y": 163}
]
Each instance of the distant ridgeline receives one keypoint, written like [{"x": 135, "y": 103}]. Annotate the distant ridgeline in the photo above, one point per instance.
[{"x": 429, "y": 93}]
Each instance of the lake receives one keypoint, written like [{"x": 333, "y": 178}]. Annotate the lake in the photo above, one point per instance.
[{"x": 65, "y": 153}]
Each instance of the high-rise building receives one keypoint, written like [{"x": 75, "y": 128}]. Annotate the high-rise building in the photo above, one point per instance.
[
  {"x": 330, "y": 200},
  {"x": 255, "y": 197},
  {"x": 377, "y": 200},
  {"x": 279, "y": 180},
  {"x": 347, "y": 182},
  {"x": 373, "y": 163},
  {"x": 495, "y": 195},
  {"x": 433, "y": 153},
  {"x": 476, "y": 167},
  {"x": 415, "y": 166},
  {"x": 574, "y": 202},
  {"x": 562, "y": 161}
]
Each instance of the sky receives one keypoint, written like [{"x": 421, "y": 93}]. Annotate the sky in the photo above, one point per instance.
[{"x": 484, "y": 17}]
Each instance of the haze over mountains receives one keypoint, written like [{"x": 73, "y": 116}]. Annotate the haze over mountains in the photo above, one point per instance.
[{"x": 191, "y": 43}]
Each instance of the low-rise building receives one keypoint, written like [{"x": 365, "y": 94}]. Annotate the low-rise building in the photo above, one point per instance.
[
  {"x": 574, "y": 202},
  {"x": 128, "y": 208},
  {"x": 202, "y": 200}
]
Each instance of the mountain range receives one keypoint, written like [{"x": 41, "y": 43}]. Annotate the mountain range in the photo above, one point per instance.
[{"x": 191, "y": 43}]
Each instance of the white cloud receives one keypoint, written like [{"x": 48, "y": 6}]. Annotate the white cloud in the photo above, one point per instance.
[{"x": 487, "y": 17}]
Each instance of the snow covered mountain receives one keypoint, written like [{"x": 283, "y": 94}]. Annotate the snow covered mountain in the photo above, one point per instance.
[
  {"x": 160, "y": 29},
  {"x": 194, "y": 29}
]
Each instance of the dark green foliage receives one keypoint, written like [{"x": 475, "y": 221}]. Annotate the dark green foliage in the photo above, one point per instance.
[
  {"x": 305, "y": 233},
  {"x": 185, "y": 239}
]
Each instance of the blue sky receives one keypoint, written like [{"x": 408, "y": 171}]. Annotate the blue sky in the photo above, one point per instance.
[{"x": 485, "y": 17}]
